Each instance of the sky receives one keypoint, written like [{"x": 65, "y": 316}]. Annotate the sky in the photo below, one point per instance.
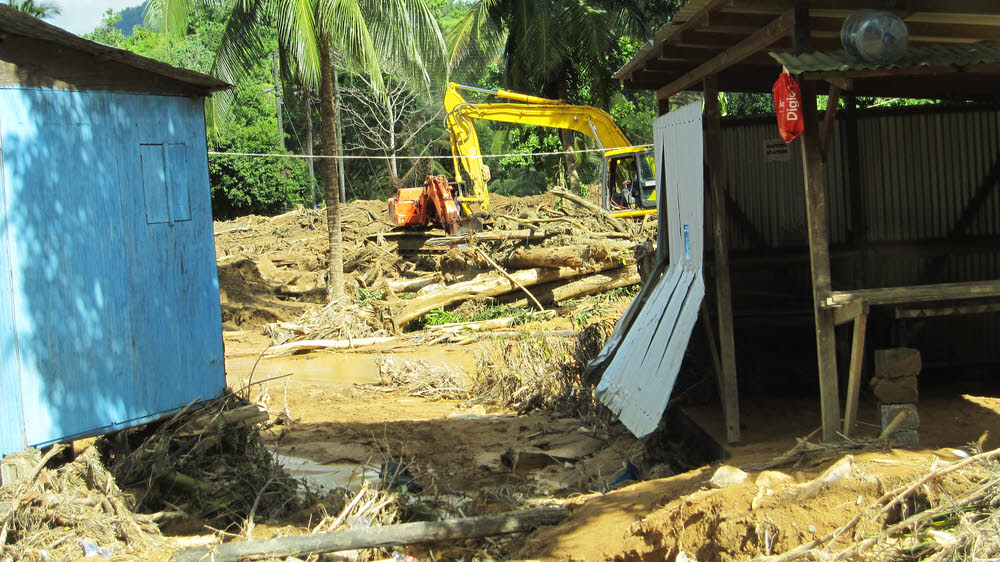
[{"x": 82, "y": 16}]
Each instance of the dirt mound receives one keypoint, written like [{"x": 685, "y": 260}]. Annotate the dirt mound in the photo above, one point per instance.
[{"x": 836, "y": 503}]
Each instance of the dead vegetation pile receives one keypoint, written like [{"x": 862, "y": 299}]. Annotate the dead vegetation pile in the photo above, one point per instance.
[
  {"x": 532, "y": 372},
  {"x": 418, "y": 378},
  {"x": 209, "y": 463},
  {"x": 538, "y": 252},
  {"x": 950, "y": 512},
  {"x": 72, "y": 511}
]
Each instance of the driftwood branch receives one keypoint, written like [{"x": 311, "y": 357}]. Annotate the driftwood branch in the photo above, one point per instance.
[
  {"x": 313, "y": 345},
  {"x": 503, "y": 272},
  {"x": 889, "y": 500},
  {"x": 374, "y": 537},
  {"x": 492, "y": 285},
  {"x": 495, "y": 235},
  {"x": 596, "y": 210},
  {"x": 585, "y": 285}
]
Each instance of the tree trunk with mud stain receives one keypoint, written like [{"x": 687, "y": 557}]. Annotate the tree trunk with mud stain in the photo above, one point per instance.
[
  {"x": 491, "y": 285},
  {"x": 331, "y": 175}
]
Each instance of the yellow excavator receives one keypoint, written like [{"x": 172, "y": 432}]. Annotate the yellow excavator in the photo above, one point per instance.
[{"x": 628, "y": 184}]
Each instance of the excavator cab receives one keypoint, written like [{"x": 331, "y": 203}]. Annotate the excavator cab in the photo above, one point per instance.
[{"x": 629, "y": 183}]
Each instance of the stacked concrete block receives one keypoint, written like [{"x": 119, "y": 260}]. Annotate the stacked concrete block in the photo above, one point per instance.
[{"x": 895, "y": 387}]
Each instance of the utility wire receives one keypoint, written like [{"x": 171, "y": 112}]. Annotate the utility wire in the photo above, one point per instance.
[{"x": 376, "y": 157}]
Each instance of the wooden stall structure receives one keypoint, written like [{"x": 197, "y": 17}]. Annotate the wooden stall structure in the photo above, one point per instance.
[
  {"x": 741, "y": 46},
  {"x": 109, "y": 297}
]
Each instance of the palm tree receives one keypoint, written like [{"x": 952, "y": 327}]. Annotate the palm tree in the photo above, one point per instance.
[
  {"x": 361, "y": 32},
  {"x": 547, "y": 45},
  {"x": 40, "y": 9}
]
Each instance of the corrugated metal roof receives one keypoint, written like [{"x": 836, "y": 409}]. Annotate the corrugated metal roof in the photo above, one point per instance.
[
  {"x": 986, "y": 52},
  {"x": 17, "y": 23}
]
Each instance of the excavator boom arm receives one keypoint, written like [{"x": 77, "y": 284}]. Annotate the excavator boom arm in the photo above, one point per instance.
[{"x": 595, "y": 123}]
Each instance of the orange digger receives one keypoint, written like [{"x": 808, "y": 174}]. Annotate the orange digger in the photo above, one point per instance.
[{"x": 432, "y": 204}]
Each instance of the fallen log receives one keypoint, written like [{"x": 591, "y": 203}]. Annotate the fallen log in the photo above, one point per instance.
[
  {"x": 477, "y": 326},
  {"x": 376, "y": 537},
  {"x": 584, "y": 286},
  {"x": 569, "y": 256},
  {"x": 410, "y": 285},
  {"x": 612, "y": 221},
  {"x": 491, "y": 235},
  {"x": 312, "y": 345},
  {"x": 492, "y": 285}
]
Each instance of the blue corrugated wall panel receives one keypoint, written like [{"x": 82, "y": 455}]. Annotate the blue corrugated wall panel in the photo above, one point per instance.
[
  {"x": 116, "y": 310},
  {"x": 11, "y": 420},
  {"x": 177, "y": 323}
]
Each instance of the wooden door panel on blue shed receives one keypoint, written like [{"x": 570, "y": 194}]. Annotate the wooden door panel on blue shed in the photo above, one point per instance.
[
  {"x": 69, "y": 283},
  {"x": 11, "y": 418},
  {"x": 176, "y": 317}
]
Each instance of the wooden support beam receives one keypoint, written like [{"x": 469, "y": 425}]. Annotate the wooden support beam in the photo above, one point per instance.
[
  {"x": 830, "y": 120},
  {"x": 742, "y": 50},
  {"x": 931, "y": 311},
  {"x": 859, "y": 223},
  {"x": 662, "y": 105},
  {"x": 964, "y": 220},
  {"x": 723, "y": 288},
  {"x": 819, "y": 245},
  {"x": 849, "y": 312},
  {"x": 819, "y": 254},
  {"x": 854, "y": 376},
  {"x": 743, "y": 221},
  {"x": 713, "y": 350},
  {"x": 972, "y": 290}
]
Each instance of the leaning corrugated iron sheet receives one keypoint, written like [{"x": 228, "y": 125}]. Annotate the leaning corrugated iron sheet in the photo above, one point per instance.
[{"x": 642, "y": 358}]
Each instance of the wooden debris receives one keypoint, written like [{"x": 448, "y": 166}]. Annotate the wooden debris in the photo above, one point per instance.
[
  {"x": 493, "y": 235},
  {"x": 491, "y": 285},
  {"x": 312, "y": 345},
  {"x": 585, "y": 285},
  {"x": 477, "y": 326},
  {"x": 374, "y": 537},
  {"x": 411, "y": 285},
  {"x": 568, "y": 256},
  {"x": 610, "y": 219}
]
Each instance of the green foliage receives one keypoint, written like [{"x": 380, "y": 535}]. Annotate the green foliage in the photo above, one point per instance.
[
  {"x": 40, "y": 9},
  {"x": 253, "y": 185},
  {"x": 240, "y": 185},
  {"x": 130, "y": 18},
  {"x": 440, "y": 316},
  {"x": 363, "y": 296}
]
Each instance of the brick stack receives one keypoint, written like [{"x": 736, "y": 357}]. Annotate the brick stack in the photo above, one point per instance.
[{"x": 895, "y": 387}]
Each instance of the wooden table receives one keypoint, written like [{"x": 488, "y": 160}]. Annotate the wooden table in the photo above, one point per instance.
[{"x": 915, "y": 301}]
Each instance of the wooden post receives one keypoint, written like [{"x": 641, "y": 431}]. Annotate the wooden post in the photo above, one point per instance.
[
  {"x": 854, "y": 379},
  {"x": 819, "y": 254},
  {"x": 819, "y": 236},
  {"x": 723, "y": 289},
  {"x": 662, "y": 105},
  {"x": 859, "y": 225}
]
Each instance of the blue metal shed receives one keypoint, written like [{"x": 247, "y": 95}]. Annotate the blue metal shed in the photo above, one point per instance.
[{"x": 109, "y": 300}]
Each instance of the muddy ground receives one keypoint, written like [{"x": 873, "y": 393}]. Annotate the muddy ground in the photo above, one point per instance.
[{"x": 478, "y": 459}]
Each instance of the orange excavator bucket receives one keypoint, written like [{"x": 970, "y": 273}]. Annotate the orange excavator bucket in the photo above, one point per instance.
[{"x": 430, "y": 205}]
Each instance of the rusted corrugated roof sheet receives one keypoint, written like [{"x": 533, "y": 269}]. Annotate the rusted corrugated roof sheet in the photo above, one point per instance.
[
  {"x": 933, "y": 56},
  {"x": 15, "y": 22}
]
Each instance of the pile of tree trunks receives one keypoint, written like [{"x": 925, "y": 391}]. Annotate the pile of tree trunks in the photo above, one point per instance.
[{"x": 525, "y": 275}]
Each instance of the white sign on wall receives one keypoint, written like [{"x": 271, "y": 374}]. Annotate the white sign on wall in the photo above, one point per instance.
[{"x": 776, "y": 150}]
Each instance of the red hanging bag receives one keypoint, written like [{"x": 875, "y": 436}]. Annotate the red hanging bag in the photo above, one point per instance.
[{"x": 788, "y": 107}]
